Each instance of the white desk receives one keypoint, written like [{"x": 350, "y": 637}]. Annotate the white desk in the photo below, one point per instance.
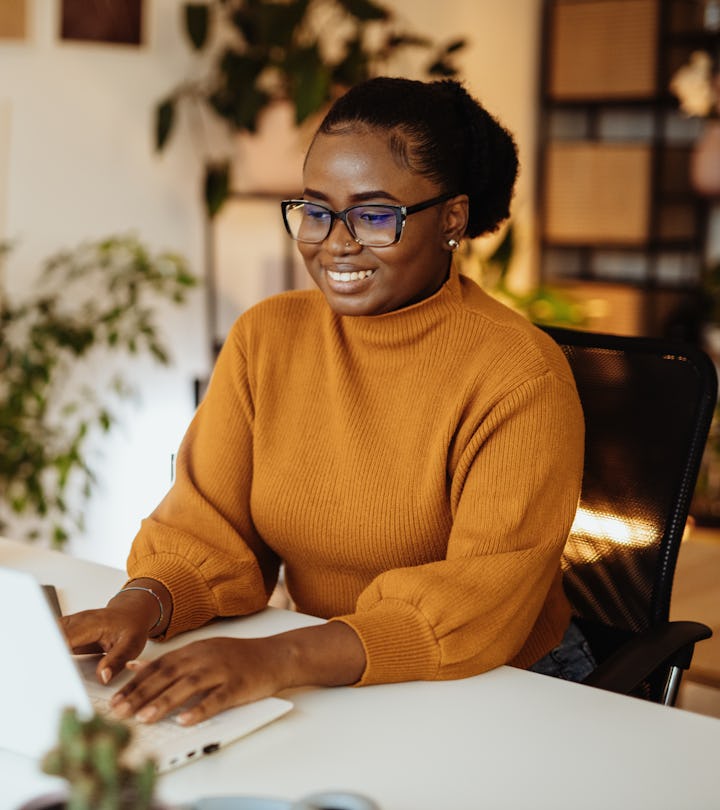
[{"x": 505, "y": 739}]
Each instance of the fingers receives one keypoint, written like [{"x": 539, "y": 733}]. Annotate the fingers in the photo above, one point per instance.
[
  {"x": 105, "y": 631},
  {"x": 107, "y": 671},
  {"x": 82, "y": 631},
  {"x": 200, "y": 680},
  {"x": 213, "y": 703},
  {"x": 87, "y": 649},
  {"x": 161, "y": 686},
  {"x": 121, "y": 649}
]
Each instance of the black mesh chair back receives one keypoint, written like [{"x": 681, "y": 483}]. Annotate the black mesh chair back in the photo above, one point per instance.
[{"x": 648, "y": 404}]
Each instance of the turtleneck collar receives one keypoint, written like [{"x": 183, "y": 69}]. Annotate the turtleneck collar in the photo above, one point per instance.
[{"x": 408, "y": 323}]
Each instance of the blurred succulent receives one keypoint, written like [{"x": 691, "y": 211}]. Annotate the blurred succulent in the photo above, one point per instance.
[{"x": 89, "y": 756}]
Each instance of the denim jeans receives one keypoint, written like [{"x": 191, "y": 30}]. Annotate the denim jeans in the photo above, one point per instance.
[{"x": 571, "y": 660}]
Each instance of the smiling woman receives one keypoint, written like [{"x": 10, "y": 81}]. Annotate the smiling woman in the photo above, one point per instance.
[
  {"x": 344, "y": 169},
  {"x": 357, "y": 256},
  {"x": 407, "y": 446}
]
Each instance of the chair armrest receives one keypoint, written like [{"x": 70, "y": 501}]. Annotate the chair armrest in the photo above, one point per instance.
[{"x": 669, "y": 644}]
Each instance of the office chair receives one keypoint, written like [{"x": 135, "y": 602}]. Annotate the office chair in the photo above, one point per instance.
[{"x": 648, "y": 403}]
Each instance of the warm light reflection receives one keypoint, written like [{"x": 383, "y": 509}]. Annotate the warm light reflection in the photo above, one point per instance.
[{"x": 610, "y": 527}]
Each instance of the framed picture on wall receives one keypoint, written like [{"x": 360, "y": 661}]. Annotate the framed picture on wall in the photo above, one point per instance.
[
  {"x": 110, "y": 21},
  {"x": 13, "y": 19}
]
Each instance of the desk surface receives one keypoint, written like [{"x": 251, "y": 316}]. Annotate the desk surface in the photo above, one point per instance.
[{"x": 505, "y": 739}]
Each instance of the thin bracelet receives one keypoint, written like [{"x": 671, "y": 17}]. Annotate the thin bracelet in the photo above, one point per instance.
[{"x": 147, "y": 590}]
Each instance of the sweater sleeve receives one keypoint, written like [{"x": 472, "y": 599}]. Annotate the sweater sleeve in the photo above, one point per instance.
[
  {"x": 514, "y": 491},
  {"x": 200, "y": 541}
]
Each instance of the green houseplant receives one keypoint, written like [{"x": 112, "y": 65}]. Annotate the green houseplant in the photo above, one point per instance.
[
  {"x": 89, "y": 755},
  {"x": 253, "y": 53},
  {"x": 490, "y": 268},
  {"x": 94, "y": 302}
]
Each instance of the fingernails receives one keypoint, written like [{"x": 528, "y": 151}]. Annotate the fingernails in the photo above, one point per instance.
[
  {"x": 106, "y": 674},
  {"x": 122, "y": 710},
  {"x": 146, "y": 714},
  {"x": 184, "y": 718}
]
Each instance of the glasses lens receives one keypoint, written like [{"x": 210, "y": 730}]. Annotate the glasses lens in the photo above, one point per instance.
[
  {"x": 308, "y": 222},
  {"x": 374, "y": 225}
]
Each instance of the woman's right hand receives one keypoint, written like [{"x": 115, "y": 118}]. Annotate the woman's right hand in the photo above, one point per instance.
[{"x": 118, "y": 631}]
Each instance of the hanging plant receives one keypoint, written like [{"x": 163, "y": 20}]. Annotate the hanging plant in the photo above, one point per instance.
[
  {"x": 306, "y": 52},
  {"x": 100, "y": 296}
]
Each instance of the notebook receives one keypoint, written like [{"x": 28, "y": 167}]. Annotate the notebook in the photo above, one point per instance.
[{"x": 39, "y": 677}]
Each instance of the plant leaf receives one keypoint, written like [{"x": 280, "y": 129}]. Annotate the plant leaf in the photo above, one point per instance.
[
  {"x": 454, "y": 46},
  {"x": 442, "y": 68},
  {"x": 217, "y": 187},
  {"x": 354, "y": 67},
  {"x": 365, "y": 10},
  {"x": 311, "y": 81},
  {"x": 164, "y": 120},
  {"x": 267, "y": 26},
  {"x": 197, "y": 23},
  {"x": 236, "y": 97},
  {"x": 503, "y": 253},
  {"x": 94, "y": 296}
]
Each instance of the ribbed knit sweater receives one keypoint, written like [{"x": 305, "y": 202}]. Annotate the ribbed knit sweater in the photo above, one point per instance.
[{"x": 416, "y": 471}]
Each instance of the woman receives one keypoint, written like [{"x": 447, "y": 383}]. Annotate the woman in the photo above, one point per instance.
[{"x": 407, "y": 446}]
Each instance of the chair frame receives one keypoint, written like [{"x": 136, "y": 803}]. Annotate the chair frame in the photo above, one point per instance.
[{"x": 664, "y": 645}]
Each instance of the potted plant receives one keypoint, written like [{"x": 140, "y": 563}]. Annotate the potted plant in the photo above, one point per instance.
[
  {"x": 90, "y": 757},
  {"x": 258, "y": 53},
  {"x": 99, "y": 296},
  {"x": 489, "y": 266}
]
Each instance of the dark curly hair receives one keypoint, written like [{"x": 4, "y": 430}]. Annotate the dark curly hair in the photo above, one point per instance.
[{"x": 440, "y": 131}]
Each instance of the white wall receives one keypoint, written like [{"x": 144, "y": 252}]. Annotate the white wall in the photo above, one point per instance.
[
  {"x": 501, "y": 69},
  {"x": 81, "y": 165}
]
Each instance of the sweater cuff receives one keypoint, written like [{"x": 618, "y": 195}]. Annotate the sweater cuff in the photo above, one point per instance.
[
  {"x": 548, "y": 631},
  {"x": 193, "y": 604},
  {"x": 399, "y": 643}
]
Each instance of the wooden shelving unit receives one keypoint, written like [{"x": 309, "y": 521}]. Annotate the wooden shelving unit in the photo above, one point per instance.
[{"x": 614, "y": 197}]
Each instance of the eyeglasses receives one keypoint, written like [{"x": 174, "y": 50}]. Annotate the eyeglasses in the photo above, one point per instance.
[{"x": 371, "y": 224}]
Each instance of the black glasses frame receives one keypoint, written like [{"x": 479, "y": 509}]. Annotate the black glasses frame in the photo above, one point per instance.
[{"x": 401, "y": 213}]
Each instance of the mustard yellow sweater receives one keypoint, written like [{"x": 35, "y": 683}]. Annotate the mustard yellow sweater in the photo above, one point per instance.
[{"x": 417, "y": 472}]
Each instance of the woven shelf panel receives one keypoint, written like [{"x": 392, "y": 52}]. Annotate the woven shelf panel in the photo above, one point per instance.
[
  {"x": 603, "y": 49},
  {"x": 616, "y": 308},
  {"x": 597, "y": 193}
]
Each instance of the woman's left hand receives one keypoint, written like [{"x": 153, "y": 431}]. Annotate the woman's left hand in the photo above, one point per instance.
[
  {"x": 221, "y": 672},
  {"x": 218, "y": 673}
]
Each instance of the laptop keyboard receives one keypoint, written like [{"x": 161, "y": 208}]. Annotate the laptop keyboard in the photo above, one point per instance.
[
  {"x": 151, "y": 735},
  {"x": 167, "y": 741}
]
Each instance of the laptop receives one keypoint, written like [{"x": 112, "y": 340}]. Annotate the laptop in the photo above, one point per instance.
[{"x": 39, "y": 677}]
